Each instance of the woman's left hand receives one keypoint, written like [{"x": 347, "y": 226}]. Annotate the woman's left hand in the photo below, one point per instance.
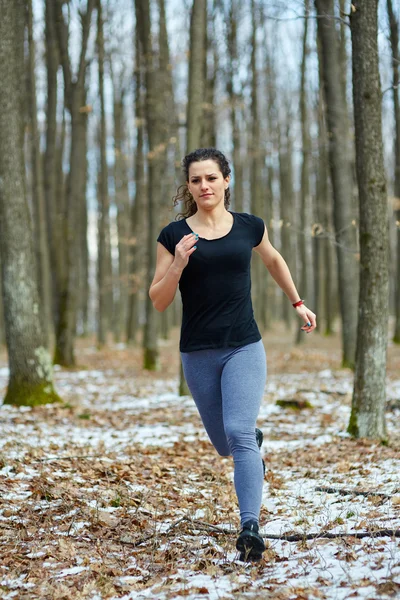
[{"x": 308, "y": 317}]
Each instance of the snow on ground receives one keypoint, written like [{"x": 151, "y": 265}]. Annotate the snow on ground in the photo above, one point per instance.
[{"x": 118, "y": 494}]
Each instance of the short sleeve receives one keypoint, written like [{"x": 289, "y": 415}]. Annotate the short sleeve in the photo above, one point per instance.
[
  {"x": 258, "y": 230},
  {"x": 167, "y": 239}
]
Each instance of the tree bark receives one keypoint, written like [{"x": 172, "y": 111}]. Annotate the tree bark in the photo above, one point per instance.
[
  {"x": 235, "y": 99},
  {"x": 394, "y": 42},
  {"x": 303, "y": 285},
  {"x": 211, "y": 63},
  {"x": 323, "y": 254},
  {"x": 74, "y": 93},
  {"x": 369, "y": 396},
  {"x": 31, "y": 377},
  {"x": 256, "y": 170},
  {"x": 155, "y": 121},
  {"x": 140, "y": 200},
  {"x": 197, "y": 58},
  {"x": 104, "y": 246},
  {"x": 286, "y": 210},
  {"x": 123, "y": 209},
  {"x": 340, "y": 156},
  {"x": 39, "y": 211},
  {"x": 50, "y": 159}
]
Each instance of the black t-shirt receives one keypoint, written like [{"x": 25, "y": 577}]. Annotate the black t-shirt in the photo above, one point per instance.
[{"x": 215, "y": 285}]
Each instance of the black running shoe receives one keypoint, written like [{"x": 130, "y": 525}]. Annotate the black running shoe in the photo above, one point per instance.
[
  {"x": 259, "y": 440},
  {"x": 249, "y": 543},
  {"x": 259, "y": 437}
]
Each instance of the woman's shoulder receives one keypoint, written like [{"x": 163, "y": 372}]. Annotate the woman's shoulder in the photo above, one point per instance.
[
  {"x": 253, "y": 227},
  {"x": 247, "y": 218},
  {"x": 175, "y": 225}
]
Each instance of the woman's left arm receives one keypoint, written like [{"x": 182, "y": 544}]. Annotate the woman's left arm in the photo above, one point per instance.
[{"x": 279, "y": 270}]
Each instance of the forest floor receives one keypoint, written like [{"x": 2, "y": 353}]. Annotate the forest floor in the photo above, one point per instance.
[{"x": 117, "y": 493}]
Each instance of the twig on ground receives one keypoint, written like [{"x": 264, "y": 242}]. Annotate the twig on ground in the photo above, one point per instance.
[
  {"x": 298, "y": 537},
  {"x": 345, "y": 492}
]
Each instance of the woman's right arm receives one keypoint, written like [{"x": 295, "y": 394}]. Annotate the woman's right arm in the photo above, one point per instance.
[{"x": 168, "y": 272}]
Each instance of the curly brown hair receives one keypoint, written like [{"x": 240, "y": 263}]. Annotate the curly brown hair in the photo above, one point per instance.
[{"x": 183, "y": 194}]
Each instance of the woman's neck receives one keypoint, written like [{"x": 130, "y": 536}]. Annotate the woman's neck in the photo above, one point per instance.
[{"x": 213, "y": 218}]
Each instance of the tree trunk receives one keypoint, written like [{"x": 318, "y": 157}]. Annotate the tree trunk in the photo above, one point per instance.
[
  {"x": 394, "y": 41},
  {"x": 31, "y": 377},
  {"x": 2, "y": 330},
  {"x": 256, "y": 170},
  {"x": 209, "y": 126},
  {"x": 303, "y": 285},
  {"x": 340, "y": 155},
  {"x": 74, "y": 93},
  {"x": 323, "y": 255},
  {"x": 235, "y": 99},
  {"x": 104, "y": 247},
  {"x": 369, "y": 396},
  {"x": 287, "y": 209},
  {"x": 140, "y": 201},
  {"x": 123, "y": 210},
  {"x": 197, "y": 59},
  {"x": 155, "y": 121},
  {"x": 82, "y": 227},
  {"x": 50, "y": 159},
  {"x": 39, "y": 211}
]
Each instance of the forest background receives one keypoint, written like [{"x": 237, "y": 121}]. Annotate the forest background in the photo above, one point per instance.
[{"x": 99, "y": 102}]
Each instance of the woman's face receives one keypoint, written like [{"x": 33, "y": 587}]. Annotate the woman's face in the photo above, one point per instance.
[{"x": 207, "y": 184}]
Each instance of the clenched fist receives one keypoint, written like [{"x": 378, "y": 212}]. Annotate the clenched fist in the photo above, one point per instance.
[{"x": 184, "y": 249}]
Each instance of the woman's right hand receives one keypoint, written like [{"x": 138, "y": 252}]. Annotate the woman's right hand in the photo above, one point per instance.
[{"x": 184, "y": 249}]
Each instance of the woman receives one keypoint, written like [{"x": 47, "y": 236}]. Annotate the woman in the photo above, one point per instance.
[{"x": 207, "y": 254}]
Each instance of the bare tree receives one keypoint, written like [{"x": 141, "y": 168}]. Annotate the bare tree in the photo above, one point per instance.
[
  {"x": 324, "y": 273},
  {"x": 74, "y": 95},
  {"x": 305, "y": 171},
  {"x": 235, "y": 99},
  {"x": 140, "y": 200},
  {"x": 197, "y": 59},
  {"x": 340, "y": 155},
  {"x": 41, "y": 239},
  {"x": 394, "y": 42},
  {"x": 104, "y": 245},
  {"x": 155, "y": 124},
  {"x": 31, "y": 377},
  {"x": 52, "y": 171},
  {"x": 369, "y": 397}
]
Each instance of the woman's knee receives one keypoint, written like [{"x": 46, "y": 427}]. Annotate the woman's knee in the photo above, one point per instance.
[
  {"x": 239, "y": 437},
  {"x": 223, "y": 449}
]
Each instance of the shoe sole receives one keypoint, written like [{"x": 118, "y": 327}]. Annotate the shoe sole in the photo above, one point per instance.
[{"x": 250, "y": 546}]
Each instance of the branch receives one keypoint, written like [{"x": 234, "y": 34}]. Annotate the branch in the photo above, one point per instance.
[
  {"x": 344, "y": 492},
  {"x": 392, "y": 87},
  {"x": 85, "y": 19},
  {"x": 62, "y": 31},
  {"x": 290, "y": 537}
]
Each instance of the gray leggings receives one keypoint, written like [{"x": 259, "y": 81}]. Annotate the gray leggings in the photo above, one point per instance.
[{"x": 227, "y": 385}]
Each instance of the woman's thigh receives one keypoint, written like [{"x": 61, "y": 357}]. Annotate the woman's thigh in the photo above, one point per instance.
[
  {"x": 203, "y": 370},
  {"x": 243, "y": 383}
]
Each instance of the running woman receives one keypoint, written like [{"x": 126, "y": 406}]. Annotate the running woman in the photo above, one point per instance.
[{"x": 207, "y": 253}]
